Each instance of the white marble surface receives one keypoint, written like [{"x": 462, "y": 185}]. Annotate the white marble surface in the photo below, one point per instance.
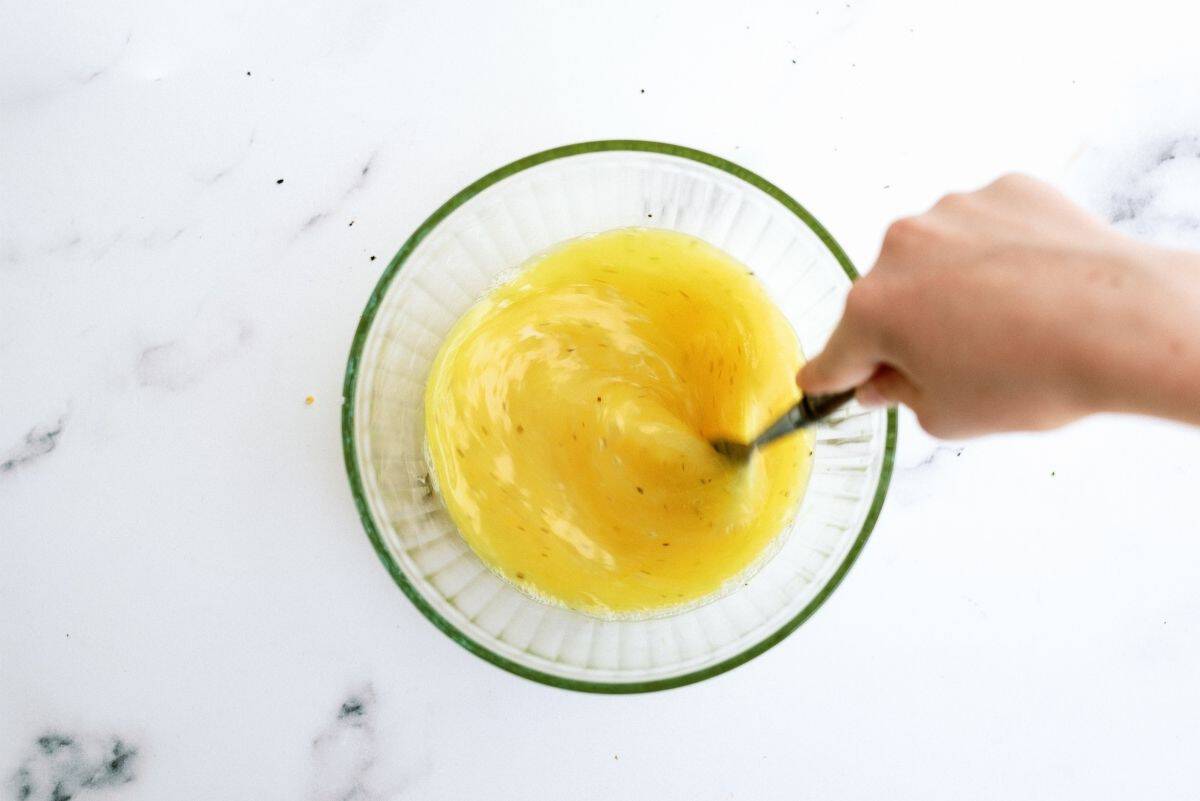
[{"x": 189, "y": 608}]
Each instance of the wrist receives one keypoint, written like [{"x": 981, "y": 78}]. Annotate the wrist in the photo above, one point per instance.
[{"x": 1140, "y": 343}]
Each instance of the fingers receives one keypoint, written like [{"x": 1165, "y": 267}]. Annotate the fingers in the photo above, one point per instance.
[
  {"x": 852, "y": 354},
  {"x": 887, "y": 387},
  {"x": 847, "y": 361}
]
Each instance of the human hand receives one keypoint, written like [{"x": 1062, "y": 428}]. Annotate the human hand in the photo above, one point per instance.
[{"x": 1010, "y": 308}]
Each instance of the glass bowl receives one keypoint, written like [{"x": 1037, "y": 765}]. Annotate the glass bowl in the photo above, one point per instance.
[{"x": 498, "y": 223}]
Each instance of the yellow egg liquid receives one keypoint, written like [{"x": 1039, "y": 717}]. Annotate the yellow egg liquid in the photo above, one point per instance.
[{"x": 569, "y": 413}]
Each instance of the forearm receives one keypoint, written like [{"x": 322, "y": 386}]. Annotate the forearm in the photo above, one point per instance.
[{"x": 1149, "y": 322}]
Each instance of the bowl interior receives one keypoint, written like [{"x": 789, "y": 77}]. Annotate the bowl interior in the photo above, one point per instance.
[{"x": 497, "y": 224}]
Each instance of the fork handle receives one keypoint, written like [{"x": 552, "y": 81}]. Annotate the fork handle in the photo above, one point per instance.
[
  {"x": 809, "y": 410},
  {"x": 817, "y": 407}
]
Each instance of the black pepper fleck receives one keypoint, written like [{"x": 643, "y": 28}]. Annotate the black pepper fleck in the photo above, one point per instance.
[
  {"x": 372, "y": 258},
  {"x": 278, "y": 180}
]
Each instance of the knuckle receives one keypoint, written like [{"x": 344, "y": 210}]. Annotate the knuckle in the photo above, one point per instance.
[
  {"x": 952, "y": 201},
  {"x": 1013, "y": 180},
  {"x": 903, "y": 232}
]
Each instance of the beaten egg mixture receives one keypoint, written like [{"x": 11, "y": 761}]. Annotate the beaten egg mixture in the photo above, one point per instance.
[{"x": 568, "y": 416}]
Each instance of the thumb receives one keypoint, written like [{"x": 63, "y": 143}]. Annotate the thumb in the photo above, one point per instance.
[
  {"x": 887, "y": 387},
  {"x": 847, "y": 361}
]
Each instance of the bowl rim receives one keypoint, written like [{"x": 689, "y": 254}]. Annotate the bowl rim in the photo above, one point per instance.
[{"x": 351, "y": 455}]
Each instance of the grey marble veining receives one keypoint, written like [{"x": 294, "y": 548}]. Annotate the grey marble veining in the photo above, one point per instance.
[
  {"x": 356, "y": 185},
  {"x": 60, "y": 767},
  {"x": 346, "y": 750},
  {"x": 1148, "y": 184},
  {"x": 189, "y": 608},
  {"x": 179, "y": 363},
  {"x": 40, "y": 441}
]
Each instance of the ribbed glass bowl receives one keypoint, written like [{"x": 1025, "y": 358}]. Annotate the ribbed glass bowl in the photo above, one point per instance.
[{"x": 496, "y": 224}]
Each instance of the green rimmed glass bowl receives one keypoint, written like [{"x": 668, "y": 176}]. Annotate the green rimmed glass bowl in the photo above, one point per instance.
[{"x": 498, "y": 223}]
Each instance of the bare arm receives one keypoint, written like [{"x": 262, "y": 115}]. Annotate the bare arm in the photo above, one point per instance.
[{"x": 1010, "y": 308}]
